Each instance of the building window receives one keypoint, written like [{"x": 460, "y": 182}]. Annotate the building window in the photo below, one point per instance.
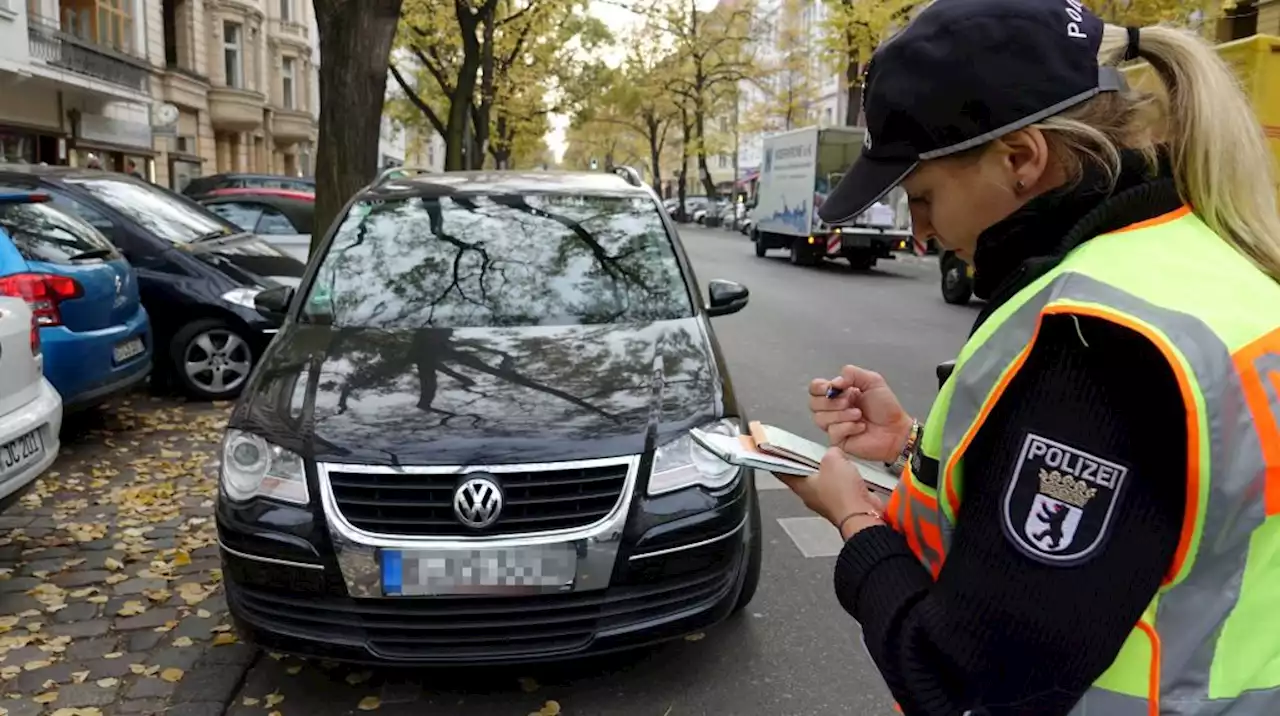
[
  {"x": 232, "y": 56},
  {"x": 105, "y": 22},
  {"x": 290, "y": 99},
  {"x": 286, "y": 10}
]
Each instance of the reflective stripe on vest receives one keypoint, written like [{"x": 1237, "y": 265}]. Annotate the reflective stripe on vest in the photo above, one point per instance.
[{"x": 1210, "y": 642}]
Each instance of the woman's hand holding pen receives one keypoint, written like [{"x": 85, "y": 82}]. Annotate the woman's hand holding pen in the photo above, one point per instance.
[{"x": 860, "y": 414}]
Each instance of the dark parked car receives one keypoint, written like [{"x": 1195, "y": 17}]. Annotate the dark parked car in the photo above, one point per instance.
[
  {"x": 282, "y": 217},
  {"x": 201, "y": 186},
  {"x": 470, "y": 441},
  {"x": 197, "y": 273},
  {"x": 957, "y": 278}
]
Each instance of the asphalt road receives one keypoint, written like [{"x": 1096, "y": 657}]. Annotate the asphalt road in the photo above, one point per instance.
[{"x": 794, "y": 652}]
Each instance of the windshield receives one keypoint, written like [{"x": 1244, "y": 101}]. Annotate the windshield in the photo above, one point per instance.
[
  {"x": 176, "y": 220},
  {"x": 500, "y": 260}
]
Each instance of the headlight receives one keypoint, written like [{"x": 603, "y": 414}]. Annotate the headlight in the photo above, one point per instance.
[
  {"x": 253, "y": 467},
  {"x": 682, "y": 462},
  {"x": 241, "y": 296}
]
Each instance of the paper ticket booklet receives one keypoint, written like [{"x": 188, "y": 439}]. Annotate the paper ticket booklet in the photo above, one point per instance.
[{"x": 766, "y": 447}]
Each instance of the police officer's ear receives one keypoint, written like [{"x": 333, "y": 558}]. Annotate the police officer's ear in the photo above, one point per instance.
[{"x": 1022, "y": 163}]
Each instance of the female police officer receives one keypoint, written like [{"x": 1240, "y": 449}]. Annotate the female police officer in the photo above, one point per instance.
[{"x": 1088, "y": 521}]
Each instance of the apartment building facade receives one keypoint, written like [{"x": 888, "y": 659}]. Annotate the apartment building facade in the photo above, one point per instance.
[
  {"x": 243, "y": 76},
  {"x": 76, "y": 84},
  {"x": 170, "y": 89}
]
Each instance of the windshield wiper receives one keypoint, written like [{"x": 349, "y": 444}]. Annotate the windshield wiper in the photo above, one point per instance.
[
  {"x": 92, "y": 254},
  {"x": 219, "y": 234}
]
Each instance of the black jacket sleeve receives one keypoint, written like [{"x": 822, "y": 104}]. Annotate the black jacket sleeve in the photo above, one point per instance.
[{"x": 1001, "y": 632}]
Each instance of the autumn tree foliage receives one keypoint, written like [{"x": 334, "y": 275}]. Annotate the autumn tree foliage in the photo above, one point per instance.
[{"x": 485, "y": 74}]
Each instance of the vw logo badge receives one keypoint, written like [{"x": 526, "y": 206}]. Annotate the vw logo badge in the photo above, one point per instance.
[{"x": 477, "y": 502}]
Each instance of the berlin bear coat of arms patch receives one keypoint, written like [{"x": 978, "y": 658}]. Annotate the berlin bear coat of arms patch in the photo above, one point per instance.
[{"x": 1059, "y": 501}]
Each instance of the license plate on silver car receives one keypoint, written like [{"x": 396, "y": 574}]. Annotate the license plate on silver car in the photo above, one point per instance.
[
  {"x": 20, "y": 452},
  {"x": 507, "y": 570}
]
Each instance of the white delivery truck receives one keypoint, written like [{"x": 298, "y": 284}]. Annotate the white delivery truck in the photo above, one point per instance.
[{"x": 798, "y": 171}]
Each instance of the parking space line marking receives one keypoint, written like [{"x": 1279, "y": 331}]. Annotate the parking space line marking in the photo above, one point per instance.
[
  {"x": 813, "y": 536},
  {"x": 766, "y": 481}
]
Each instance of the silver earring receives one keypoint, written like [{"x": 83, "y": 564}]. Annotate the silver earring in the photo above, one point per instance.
[{"x": 1018, "y": 185}]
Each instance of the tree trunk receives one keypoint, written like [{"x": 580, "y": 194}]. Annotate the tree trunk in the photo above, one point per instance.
[
  {"x": 484, "y": 110},
  {"x": 655, "y": 136},
  {"x": 682, "y": 187},
  {"x": 853, "y": 88},
  {"x": 704, "y": 169},
  {"x": 355, "y": 42},
  {"x": 462, "y": 101}
]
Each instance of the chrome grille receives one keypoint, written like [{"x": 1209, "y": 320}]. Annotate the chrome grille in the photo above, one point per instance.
[{"x": 413, "y": 503}]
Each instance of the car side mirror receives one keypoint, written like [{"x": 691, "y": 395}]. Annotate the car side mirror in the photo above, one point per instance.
[
  {"x": 274, "y": 302},
  {"x": 726, "y": 297}
]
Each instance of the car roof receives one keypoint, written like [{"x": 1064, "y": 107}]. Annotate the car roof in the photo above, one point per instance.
[
  {"x": 508, "y": 182},
  {"x": 53, "y": 172},
  {"x": 254, "y": 175},
  {"x": 260, "y": 193}
]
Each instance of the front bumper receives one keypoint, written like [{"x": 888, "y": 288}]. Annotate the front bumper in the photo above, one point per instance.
[{"x": 654, "y": 569}]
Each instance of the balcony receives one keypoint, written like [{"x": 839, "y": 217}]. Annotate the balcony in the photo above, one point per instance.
[
  {"x": 48, "y": 42},
  {"x": 289, "y": 126},
  {"x": 290, "y": 32},
  {"x": 235, "y": 110},
  {"x": 184, "y": 87}
]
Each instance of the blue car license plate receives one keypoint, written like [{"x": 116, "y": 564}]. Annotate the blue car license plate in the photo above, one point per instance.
[
  {"x": 128, "y": 350},
  {"x": 507, "y": 570}
]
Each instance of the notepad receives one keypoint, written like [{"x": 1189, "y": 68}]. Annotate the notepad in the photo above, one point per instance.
[{"x": 782, "y": 452}]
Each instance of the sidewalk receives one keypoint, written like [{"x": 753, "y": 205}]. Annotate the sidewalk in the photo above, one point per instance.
[{"x": 110, "y": 601}]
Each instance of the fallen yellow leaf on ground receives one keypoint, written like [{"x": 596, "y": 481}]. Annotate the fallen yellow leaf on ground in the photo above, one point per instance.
[
  {"x": 528, "y": 685},
  {"x": 107, "y": 682},
  {"x": 274, "y": 698},
  {"x": 358, "y": 677},
  {"x": 293, "y": 670},
  {"x": 695, "y": 637},
  {"x": 173, "y": 676},
  {"x": 37, "y": 664},
  {"x": 183, "y": 641},
  {"x": 369, "y": 703},
  {"x": 79, "y": 676},
  {"x": 47, "y": 697},
  {"x": 224, "y": 639},
  {"x": 550, "y": 708},
  {"x": 131, "y": 608},
  {"x": 249, "y": 701}
]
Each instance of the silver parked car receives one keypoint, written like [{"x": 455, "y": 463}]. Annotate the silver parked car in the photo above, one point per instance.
[{"x": 30, "y": 408}]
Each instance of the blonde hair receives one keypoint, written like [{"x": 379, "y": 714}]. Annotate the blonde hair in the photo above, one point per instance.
[{"x": 1221, "y": 161}]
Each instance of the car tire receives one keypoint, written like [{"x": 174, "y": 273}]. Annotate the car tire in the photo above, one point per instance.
[
  {"x": 220, "y": 346},
  {"x": 761, "y": 247},
  {"x": 956, "y": 286},
  {"x": 755, "y": 556}
]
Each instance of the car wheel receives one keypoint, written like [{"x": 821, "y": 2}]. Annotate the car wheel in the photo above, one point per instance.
[
  {"x": 956, "y": 287},
  {"x": 755, "y": 556},
  {"x": 761, "y": 248},
  {"x": 211, "y": 359}
]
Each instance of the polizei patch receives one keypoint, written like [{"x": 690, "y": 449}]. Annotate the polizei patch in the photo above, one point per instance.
[{"x": 1059, "y": 501}]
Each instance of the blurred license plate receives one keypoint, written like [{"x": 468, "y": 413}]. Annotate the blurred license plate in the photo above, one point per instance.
[
  {"x": 125, "y": 350},
  {"x": 511, "y": 570},
  {"x": 20, "y": 452}
]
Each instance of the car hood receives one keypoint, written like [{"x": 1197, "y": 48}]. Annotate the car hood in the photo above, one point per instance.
[
  {"x": 249, "y": 261},
  {"x": 483, "y": 396}
]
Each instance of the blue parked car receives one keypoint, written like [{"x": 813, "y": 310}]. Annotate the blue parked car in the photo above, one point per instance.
[{"x": 94, "y": 330}]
